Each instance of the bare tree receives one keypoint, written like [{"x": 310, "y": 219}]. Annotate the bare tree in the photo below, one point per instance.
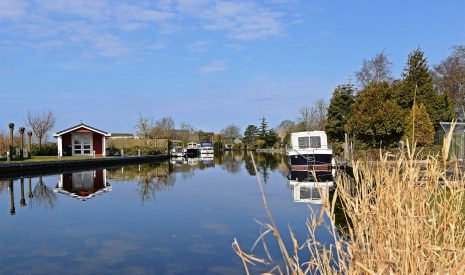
[
  {"x": 164, "y": 127},
  {"x": 449, "y": 78},
  {"x": 144, "y": 126},
  {"x": 231, "y": 132},
  {"x": 312, "y": 118},
  {"x": 187, "y": 131},
  {"x": 374, "y": 70},
  {"x": 40, "y": 123}
]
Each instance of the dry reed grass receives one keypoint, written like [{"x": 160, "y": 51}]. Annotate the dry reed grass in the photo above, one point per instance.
[{"x": 403, "y": 217}]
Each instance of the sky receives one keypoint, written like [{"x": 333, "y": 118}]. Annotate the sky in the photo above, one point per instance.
[{"x": 209, "y": 63}]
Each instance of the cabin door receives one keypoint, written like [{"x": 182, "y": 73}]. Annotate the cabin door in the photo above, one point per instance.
[{"x": 82, "y": 144}]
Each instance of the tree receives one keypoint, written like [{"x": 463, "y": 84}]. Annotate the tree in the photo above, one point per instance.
[
  {"x": 312, "y": 118},
  {"x": 339, "y": 112},
  {"x": 186, "y": 132},
  {"x": 376, "y": 118},
  {"x": 286, "y": 124},
  {"x": 449, "y": 79},
  {"x": 417, "y": 84},
  {"x": 40, "y": 123},
  {"x": 231, "y": 132},
  {"x": 263, "y": 128},
  {"x": 419, "y": 127},
  {"x": 375, "y": 70},
  {"x": 144, "y": 126},
  {"x": 271, "y": 137},
  {"x": 250, "y": 135},
  {"x": 164, "y": 127}
]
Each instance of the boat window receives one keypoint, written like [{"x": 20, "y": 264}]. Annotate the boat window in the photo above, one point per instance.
[
  {"x": 303, "y": 142},
  {"x": 315, "y": 142}
]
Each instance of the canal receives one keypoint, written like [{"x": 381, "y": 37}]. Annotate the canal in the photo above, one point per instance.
[{"x": 176, "y": 217}]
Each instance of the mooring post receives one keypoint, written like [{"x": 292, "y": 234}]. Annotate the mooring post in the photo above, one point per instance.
[
  {"x": 29, "y": 149},
  {"x": 346, "y": 147},
  {"x": 12, "y": 127},
  {"x": 21, "y": 142}
]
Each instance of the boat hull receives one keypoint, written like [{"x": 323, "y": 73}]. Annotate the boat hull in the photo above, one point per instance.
[{"x": 312, "y": 161}]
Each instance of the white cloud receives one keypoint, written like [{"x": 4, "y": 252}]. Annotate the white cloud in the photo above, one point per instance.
[
  {"x": 215, "y": 66},
  {"x": 12, "y": 9},
  {"x": 198, "y": 46}
]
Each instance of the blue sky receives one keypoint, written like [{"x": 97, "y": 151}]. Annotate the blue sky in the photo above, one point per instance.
[{"x": 209, "y": 63}]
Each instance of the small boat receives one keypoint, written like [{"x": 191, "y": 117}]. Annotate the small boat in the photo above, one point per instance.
[
  {"x": 193, "y": 149},
  {"x": 177, "y": 150},
  {"x": 206, "y": 148},
  {"x": 310, "y": 152}
]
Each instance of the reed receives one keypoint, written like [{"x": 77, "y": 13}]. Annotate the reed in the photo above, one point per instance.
[{"x": 403, "y": 217}]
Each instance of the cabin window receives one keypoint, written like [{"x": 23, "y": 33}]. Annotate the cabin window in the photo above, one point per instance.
[
  {"x": 304, "y": 142},
  {"x": 315, "y": 142}
]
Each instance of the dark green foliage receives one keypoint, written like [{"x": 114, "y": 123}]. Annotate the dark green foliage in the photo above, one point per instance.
[
  {"x": 263, "y": 129},
  {"x": 339, "y": 111},
  {"x": 47, "y": 149},
  {"x": 417, "y": 83},
  {"x": 250, "y": 135},
  {"x": 271, "y": 138},
  {"x": 376, "y": 119}
]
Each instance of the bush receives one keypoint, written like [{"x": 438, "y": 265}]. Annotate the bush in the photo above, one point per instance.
[
  {"x": 134, "y": 150},
  {"x": 47, "y": 149}
]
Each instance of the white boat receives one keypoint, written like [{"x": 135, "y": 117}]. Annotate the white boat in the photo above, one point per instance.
[
  {"x": 310, "y": 152},
  {"x": 193, "y": 149},
  {"x": 177, "y": 151},
  {"x": 206, "y": 148}
]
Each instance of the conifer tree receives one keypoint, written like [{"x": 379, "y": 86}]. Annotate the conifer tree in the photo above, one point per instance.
[
  {"x": 419, "y": 127},
  {"x": 339, "y": 111},
  {"x": 418, "y": 83}
]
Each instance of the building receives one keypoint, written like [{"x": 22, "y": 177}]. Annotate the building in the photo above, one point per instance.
[{"x": 81, "y": 140}]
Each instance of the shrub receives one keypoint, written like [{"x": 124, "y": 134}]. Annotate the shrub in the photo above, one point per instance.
[{"x": 47, "y": 149}]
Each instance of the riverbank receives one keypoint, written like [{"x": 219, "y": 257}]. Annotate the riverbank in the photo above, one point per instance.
[{"x": 33, "y": 168}]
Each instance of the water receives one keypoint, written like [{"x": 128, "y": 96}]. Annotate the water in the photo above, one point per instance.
[{"x": 178, "y": 217}]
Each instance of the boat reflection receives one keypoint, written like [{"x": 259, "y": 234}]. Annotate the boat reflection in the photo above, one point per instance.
[
  {"x": 310, "y": 187},
  {"x": 83, "y": 185}
]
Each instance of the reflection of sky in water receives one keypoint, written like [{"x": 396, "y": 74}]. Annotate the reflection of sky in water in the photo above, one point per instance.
[{"x": 186, "y": 227}]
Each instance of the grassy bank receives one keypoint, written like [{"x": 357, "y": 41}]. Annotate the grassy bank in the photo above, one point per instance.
[
  {"x": 403, "y": 217},
  {"x": 45, "y": 158}
]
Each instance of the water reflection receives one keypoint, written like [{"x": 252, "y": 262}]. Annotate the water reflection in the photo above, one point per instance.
[
  {"x": 42, "y": 195},
  {"x": 83, "y": 185},
  {"x": 181, "y": 215}
]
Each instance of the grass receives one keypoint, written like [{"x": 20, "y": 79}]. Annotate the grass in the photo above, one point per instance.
[
  {"x": 403, "y": 217},
  {"x": 46, "y": 158}
]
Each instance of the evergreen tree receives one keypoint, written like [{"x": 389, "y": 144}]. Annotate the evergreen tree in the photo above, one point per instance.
[
  {"x": 376, "y": 118},
  {"x": 271, "y": 137},
  {"x": 250, "y": 135},
  {"x": 262, "y": 130},
  {"x": 339, "y": 111},
  {"x": 423, "y": 130},
  {"x": 418, "y": 83}
]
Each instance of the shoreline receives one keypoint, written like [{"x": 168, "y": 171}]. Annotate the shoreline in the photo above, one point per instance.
[{"x": 15, "y": 170}]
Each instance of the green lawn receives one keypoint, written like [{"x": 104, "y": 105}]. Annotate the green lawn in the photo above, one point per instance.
[{"x": 46, "y": 158}]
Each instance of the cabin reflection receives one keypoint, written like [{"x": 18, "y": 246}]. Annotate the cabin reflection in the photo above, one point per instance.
[
  {"x": 206, "y": 160},
  {"x": 83, "y": 185},
  {"x": 310, "y": 187}
]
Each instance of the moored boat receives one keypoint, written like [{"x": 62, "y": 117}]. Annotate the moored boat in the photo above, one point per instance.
[
  {"x": 206, "y": 148},
  {"x": 193, "y": 149},
  {"x": 310, "y": 152}
]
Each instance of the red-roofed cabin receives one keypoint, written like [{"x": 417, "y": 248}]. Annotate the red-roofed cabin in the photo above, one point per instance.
[{"x": 81, "y": 140}]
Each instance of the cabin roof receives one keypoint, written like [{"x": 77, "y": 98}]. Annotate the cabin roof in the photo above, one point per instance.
[{"x": 82, "y": 125}]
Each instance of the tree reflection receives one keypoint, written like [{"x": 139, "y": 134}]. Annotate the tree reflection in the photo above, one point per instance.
[
  {"x": 43, "y": 196},
  {"x": 230, "y": 163},
  {"x": 150, "y": 185}
]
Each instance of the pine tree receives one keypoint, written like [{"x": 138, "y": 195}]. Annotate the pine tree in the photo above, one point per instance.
[
  {"x": 417, "y": 83},
  {"x": 262, "y": 130},
  {"x": 339, "y": 111},
  {"x": 423, "y": 131}
]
